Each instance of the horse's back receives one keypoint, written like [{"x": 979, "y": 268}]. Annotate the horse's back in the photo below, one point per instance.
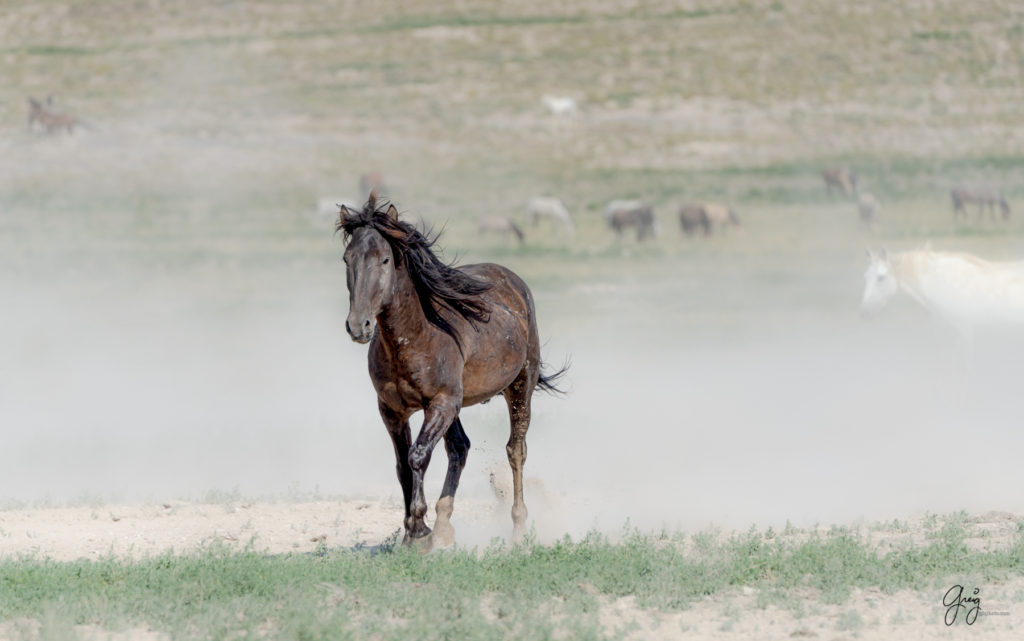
[
  {"x": 974, "y": 290},
  {"x": 504, "y": 283},
  {"x": 547, "y": 206},
  {"x": 717, "y": 213},
  {"x": 620, "y": 205},
  {"x": 977, "y": 193},
  {"x": 498, "y": 351}
]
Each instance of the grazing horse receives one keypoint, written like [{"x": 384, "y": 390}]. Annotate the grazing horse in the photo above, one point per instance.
[
  {"x": 551, "y": 208},
  {"x": 721, "y": 215},
  {"x": 441, "y": 338},
  {"x": 706, "y": 216},
  {"x": 640, "y": 218},
  {"x": 963, "y": 290},
  {"x": 500, "y": 225},
  {"x": 982, "y": 195},
  {"x": 867, "y": 209},
  {"x": 842, "y": 180},
  {"x": 50, "y": 119},
  {"x": 693, "y": 217},
  {"x": 620, "y": 205}
]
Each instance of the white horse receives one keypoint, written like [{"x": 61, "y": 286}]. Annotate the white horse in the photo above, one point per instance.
[
  {"x": 560, "y": 105},
  {"x": 551, "y": 208},
  {"x": 963, "y": 290}
]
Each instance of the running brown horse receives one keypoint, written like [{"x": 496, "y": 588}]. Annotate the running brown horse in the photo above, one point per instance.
[{"x": 441, "y": 338}]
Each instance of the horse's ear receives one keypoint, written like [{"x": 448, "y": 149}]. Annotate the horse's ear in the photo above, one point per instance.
[
  {"x": 883, "y": 253},
  {"x": 871, "y": 254},
  {"x": 392, "y": 212},
  {"x": 343, "y": 215}
]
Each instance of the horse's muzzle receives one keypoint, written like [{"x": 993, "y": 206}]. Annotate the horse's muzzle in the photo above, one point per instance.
[{"x": 361, "y": 332}]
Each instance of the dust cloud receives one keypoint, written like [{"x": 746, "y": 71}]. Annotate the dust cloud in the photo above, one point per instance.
[
  {"x": 173, "y": 308},
  {"x": 694, "y": 400}
]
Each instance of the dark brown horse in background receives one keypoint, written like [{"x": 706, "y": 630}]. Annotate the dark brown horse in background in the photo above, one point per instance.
[
  {"x": 843, "y": 180},
  {"x": 981, "y": 195},
  {"x": 641, "y": 218},
  {"x": 441, "y": 338}
]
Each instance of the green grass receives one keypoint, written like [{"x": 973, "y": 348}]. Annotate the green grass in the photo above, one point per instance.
[
  {"x": 532, "y": 591},
  {"x": 478, "y": 19}
]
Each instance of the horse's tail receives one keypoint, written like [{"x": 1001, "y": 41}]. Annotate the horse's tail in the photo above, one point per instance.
[{"x": 549, "y": 382}]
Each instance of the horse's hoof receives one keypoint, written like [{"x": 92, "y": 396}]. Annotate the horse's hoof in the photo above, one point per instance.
[
  {"x": 423, "y": 544},
  {"x": 444, "y": 535},
  {"x": 518, "y": 535},
  {"x": 420, "y": 538}
]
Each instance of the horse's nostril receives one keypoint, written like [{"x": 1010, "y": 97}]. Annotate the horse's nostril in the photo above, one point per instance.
[
  {"x": 366, "y": 323},
  {"x": 348, "y": 328}
]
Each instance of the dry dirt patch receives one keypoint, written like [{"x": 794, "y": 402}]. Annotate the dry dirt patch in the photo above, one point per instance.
[{"x": 144, "y": 530}]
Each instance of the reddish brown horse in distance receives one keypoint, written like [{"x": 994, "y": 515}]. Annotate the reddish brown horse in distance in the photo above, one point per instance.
[
  {"x": 50, "y": 119},
  {"x": 441, "y": 338}
]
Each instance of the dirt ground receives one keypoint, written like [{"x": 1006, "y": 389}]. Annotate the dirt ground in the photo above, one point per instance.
[
  {"x": 138, "y": 531},
  {"x": 144, "y": 530}
]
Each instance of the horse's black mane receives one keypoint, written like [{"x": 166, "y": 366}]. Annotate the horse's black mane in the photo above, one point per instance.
[{"x": 438, "y": 285}]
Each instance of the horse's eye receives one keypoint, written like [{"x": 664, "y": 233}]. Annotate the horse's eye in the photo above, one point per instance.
[
  {"x": 387, "y": 260},
  {"x": 881, "y": 277}
]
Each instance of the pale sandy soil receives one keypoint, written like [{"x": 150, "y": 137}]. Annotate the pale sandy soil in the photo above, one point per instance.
[
  {"x": 138, "y": 531},
  {"x": 869, "y": 614}
]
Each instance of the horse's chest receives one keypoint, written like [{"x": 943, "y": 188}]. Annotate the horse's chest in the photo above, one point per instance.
[{"x": 408, "y": 380}]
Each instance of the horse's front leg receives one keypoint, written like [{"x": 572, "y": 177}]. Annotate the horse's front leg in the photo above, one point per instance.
[
  {"x": 456, "y": 443},
  {"x": 437, "y": 418},
  {"x": 398, "y": 429}
]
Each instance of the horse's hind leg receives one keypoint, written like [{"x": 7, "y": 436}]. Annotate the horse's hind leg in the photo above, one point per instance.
[
  {"x": 456, "y": 443},
  {"x": 518, "y": 396}
]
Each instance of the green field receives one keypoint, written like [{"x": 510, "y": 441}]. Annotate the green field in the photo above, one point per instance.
[{"x": 532, "y": 591}]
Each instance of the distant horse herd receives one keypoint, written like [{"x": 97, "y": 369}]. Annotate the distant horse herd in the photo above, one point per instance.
[
  {"x": 637, "y": 218},
  {"x": 708, "y": 218},
  {"x": 621, "y": 216}
]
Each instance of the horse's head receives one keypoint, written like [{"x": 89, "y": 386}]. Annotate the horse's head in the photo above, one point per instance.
[
  {"x": 370, "y": 269},
  {"x": 880, "y": 282}
]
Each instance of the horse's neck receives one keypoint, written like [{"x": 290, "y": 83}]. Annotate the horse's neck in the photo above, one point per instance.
[
  {"x": 402, "y": 317},
  {"x": 909, "y": 268},
  {"x": 944, "y": 284}
]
